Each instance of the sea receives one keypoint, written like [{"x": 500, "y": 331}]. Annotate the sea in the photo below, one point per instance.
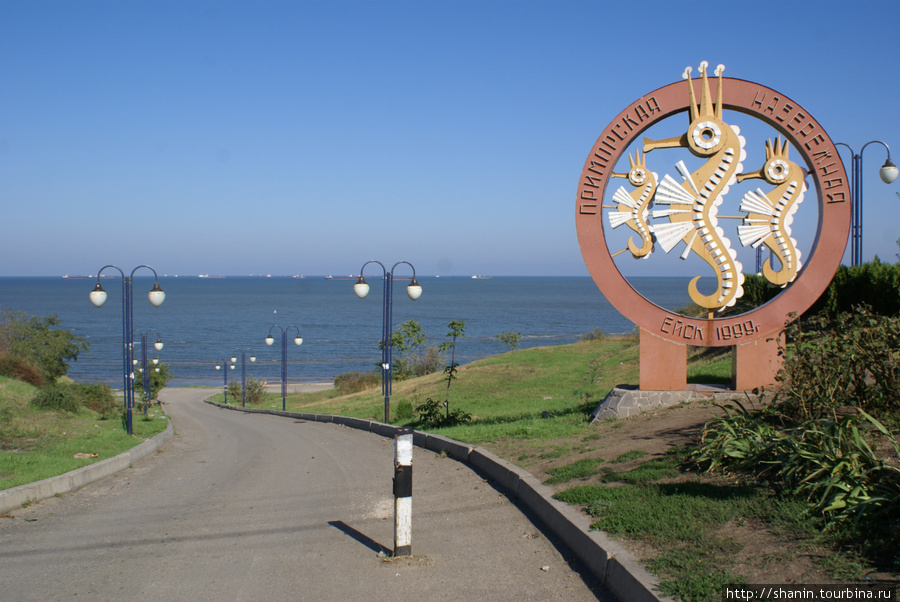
[{"x": 205, "y": 320}]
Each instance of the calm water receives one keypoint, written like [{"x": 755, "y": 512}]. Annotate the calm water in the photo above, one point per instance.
[{"x": 205, "y": 320}]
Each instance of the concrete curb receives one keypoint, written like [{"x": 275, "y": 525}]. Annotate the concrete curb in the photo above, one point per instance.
[
  {"x": 617, "y": 569},
  {"x": 17, "y": 497}
]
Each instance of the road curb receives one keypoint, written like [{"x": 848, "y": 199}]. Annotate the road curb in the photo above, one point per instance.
[
  {"x": 23, "y": 495},
  {"x": 617, "y": 569}
]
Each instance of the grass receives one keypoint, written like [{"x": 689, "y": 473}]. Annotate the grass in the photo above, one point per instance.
[
  {"x": 37, "y": 444},
  {"x": 683, "y": 522},
  {"x": 554, "y": 388},
  {"x": 581, "y": 469}
]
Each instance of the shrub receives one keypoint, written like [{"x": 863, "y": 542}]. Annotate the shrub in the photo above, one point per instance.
[
  {"x": 11, "y": 367},
  {"x": 403, "y": 410},
  {"x": 424, "y": 362},
  {"x": 437, "y": 414},
  {"x": 510, "y": 338},
  {"x": 594, "y": 335},
  {"x": 59, "y": 396},
  {"x": 254, "y": 390},
  {"x": 351, "y": 382},
  {"x": 234, "y": 391},
  {"x": 99, "y": 398},
  {"x": 850, "y": 360},
  {"x": 873, "y": 283}
]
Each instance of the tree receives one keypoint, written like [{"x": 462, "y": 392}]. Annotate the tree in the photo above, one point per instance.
[
  {"x": 159, "y": 377},
  {"x": 407, "y": 342},
  {"x": 35, "y": 341},
  {"x": 430, "y": 412},
  {"x": 457, "y": 329}
]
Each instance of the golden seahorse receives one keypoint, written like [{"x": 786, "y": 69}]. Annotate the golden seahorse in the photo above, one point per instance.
[
  {"x": 768, "y": 222},
  {"x": 634, "y": 207},
  {"x": 694, "y": 202}
]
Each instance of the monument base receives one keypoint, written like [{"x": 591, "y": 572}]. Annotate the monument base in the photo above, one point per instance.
[{"x": 628, "y": 400}]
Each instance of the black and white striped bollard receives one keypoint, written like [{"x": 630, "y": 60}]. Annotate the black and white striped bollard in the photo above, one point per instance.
[{"x": 403, "y": 447}]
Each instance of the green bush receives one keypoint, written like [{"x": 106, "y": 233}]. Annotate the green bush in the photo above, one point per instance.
[
  {"x": 403, "y": 410},
  {"x": 437, "y": 414},
  {"x": 351, "y": 382},
  {"x": 848, "y": 360},
  {"x": 11, "y": 367},
  {"x": 99, "y": 398},
  {"x": 59, "y": 396},
  {"x": 510, "y": 338},
  {"x": 873, "y": 283},
  {"x": 254, "y": 391}
]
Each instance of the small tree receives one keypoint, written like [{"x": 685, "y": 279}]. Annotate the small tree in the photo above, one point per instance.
[
  {"x": 457, "y": 329},
  {"x": 36, "y": 341},
  {"x": 510, "y": 338},
  {"x": 159, "y": 377},
  {"x": 433, "y": 413},
  {"x": 406, "y": 342}
]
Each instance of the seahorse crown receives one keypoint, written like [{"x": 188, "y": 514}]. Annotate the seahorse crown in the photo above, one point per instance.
[
  {"x": 705, "y": 108},
  {"x": 777, "y": 149}
]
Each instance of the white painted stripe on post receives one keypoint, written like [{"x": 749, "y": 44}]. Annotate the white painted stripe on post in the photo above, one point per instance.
[{"x": 403, "y": 526}]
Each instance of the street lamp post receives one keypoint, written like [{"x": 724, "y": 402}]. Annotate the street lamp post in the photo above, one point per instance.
[
  {"x": 243, "y": 373},
  {"x": 145, "y": 373},
  {"x": 98, "y": 298},
  {"x": 298, "y": 340},
  {"x": 414, "y": 290},
  {"x": 223, "y": 366},
  {"x": 888, "y": 173}
]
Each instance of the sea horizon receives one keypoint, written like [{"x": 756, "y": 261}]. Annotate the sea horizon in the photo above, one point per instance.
[{"x": 206, "y": 319}]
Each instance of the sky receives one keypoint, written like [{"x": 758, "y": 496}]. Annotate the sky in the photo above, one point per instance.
[{"x": 308, "y": 137}]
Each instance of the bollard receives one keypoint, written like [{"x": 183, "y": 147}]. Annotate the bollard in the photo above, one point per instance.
[{"x": 403, "y": 448}]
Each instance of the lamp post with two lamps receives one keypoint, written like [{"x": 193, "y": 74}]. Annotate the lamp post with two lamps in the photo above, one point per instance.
[
  {"x": 888, "y": 174},
  {"x": 224, "y": 366},
  {"x": 298, "y": 340},
  {"x": 145, "y": 372},
  {"x": 243, "y": 372},
  {"x": 98, "y": 298},
  {"x": 414, "y": 291}
]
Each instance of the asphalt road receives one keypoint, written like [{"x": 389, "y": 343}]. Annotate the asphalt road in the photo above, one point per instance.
[{"x": 252, "y": 507}]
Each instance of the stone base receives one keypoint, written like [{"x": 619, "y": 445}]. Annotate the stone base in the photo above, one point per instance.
[{"x": 628, "y": 400}]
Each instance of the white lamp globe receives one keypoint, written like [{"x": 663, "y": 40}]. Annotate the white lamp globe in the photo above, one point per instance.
[
  {"x": 888, "y": 172},
  {"x": 156, "y": 295},
  {"x": 361, "y": 288},
  {"x": 414, "y": 290},
  {"x": 98, "y": 295}
]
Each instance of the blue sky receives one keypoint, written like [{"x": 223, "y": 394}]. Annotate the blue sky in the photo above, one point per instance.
[{"x": 257, "y": 136}]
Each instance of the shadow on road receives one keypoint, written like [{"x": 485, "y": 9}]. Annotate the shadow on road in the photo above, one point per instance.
[{"x": 363, "y": 539}]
